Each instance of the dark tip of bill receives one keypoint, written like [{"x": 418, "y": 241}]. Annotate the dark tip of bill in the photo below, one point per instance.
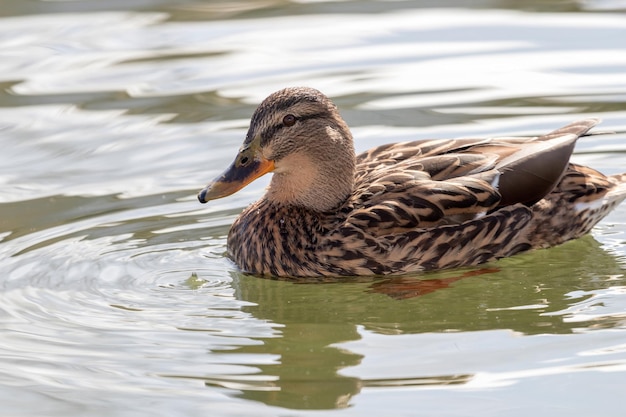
[{"x": 201, "y": 196}]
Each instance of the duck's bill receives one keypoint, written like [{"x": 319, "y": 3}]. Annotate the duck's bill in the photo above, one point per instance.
[{"x": 234, "y": 179}]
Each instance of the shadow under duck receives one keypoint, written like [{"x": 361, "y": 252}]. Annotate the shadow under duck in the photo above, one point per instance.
[{"x": 402, "y": 207}]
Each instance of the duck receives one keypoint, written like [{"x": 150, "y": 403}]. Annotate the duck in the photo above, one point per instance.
[{"x": 400, "y": 208}]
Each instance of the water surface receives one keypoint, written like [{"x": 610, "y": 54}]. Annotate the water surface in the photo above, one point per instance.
[{"x": 116, "y": 297}]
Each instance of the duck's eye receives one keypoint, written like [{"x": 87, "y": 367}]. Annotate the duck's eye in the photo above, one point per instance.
[{"x": 289, "y": 120}]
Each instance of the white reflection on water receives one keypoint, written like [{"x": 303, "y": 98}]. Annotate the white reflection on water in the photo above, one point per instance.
[
  {"x": 415, "y": 50},
  {"x": 500, "y": 362},
  {"x": 602, "y": 308}
]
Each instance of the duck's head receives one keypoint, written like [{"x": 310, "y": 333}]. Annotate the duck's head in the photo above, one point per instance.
[{"x": 298, "y": 134}]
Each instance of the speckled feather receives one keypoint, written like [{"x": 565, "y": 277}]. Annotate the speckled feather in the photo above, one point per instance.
[
  {"x": 366, "y": 237},
  {"x": 426, "y": 205}
]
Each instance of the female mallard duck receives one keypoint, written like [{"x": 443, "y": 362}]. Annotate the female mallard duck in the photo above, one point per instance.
[{"x": 403, "y": 207}]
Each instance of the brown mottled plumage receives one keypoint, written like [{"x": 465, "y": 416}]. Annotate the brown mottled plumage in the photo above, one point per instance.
[{"x": 401, "y": 207}]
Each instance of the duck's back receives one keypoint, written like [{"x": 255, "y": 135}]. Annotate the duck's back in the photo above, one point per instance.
[{"x": 438, "y": 204}]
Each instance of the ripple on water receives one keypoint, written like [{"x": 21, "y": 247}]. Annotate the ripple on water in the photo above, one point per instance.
[{"x": 118, "y": 296}]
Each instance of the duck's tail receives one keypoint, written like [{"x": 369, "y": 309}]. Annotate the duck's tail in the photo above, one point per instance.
[
  {"x": 618, "y": 179},
  {"x": 582, "y": 199},
  {"x": 617, "y": 194}
]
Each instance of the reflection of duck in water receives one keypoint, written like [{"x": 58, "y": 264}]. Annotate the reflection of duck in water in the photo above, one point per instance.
[{"x": 403, "y": 207}]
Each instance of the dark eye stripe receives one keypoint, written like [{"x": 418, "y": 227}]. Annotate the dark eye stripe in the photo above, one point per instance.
[{"x": 271, "y": 131}]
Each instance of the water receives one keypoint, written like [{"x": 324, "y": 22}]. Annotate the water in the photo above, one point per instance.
[{"x": 116, "y": 298}]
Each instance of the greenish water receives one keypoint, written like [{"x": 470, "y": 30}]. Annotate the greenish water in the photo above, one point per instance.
[{"x": 115, "y": 295}]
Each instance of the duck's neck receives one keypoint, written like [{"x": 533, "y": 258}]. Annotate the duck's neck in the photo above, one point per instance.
[{"x": 315, "y": 179}]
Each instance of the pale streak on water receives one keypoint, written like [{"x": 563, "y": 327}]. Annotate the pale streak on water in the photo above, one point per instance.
[{"x": 116, "y": 298}]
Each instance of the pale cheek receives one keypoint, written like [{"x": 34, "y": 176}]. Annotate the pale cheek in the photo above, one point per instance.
[
  {"x": 279, "y": 169},
  {"x": 267, "y": 153},
  {"x": 288, "y": 166}
]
